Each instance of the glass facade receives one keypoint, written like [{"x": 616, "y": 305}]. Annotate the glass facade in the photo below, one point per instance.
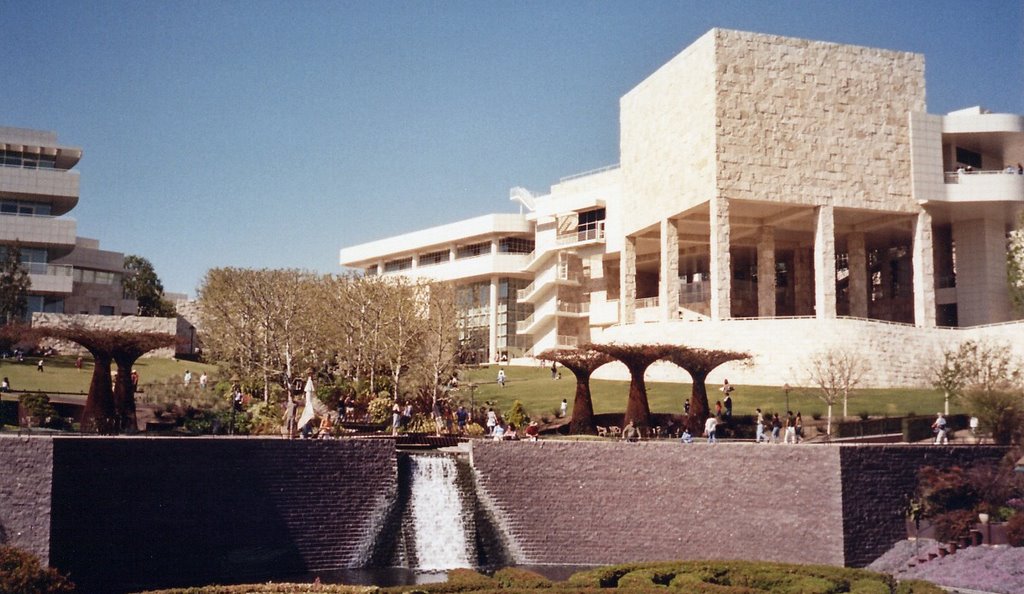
[
  {"x": 437, "y": 257},
  {"x": 510, "y": 313},
  {"x": 11, "y": 206},
  {"x": 474, "y": 305},
  {"x": 473, "y": 250},
  {"x": 27, "y": 160},
  {"x": 395, "y": 265},
  {"x": 515, "y": 245}
]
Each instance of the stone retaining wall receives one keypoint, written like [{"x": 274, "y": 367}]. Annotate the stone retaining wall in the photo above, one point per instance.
[
  {"x": 137, "y": 513},
  {"x": 25, "y": 478},
  {"x": 599, "y": 502}
]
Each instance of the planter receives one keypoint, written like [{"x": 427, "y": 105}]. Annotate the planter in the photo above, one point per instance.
[
  {"x": 965, "y": 541},
  {"x": 943, "y": 552},
  {"x": 951, "y": 546},
  {"x": 976, "y": 537}
]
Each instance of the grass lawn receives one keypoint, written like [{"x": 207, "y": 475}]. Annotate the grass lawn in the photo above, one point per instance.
[
  {"x": 60, "y": 375},
  {"x": 542, "y": 395}
]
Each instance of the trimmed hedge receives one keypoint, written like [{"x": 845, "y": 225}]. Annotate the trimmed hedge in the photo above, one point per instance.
[{"x": 691, "y": 577}]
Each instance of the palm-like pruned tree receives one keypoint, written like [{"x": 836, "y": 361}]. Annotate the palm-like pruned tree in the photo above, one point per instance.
[
  {"x": 699, "y": 363},
  {"x": 637, "y": 358},
  {"x": 581, "y": 362},
  {"x": 109, "y": 408}
]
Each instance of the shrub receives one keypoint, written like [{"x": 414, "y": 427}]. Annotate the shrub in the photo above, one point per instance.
[
  {"x": 265, "y": 418},
  {"x": 944, "y": 490},
  {"x": 22, "y": 572},
  {"x": 37, "y": 405},
  {"x": 380, "y": 409},
  {"x": 516, "y": 415},
  {"x": 954, "y": 524},
  {"x": 513, "y": 577},
  {"x": 918, "y": 587},
  {"x": 475, "y": 430},
  {"x": 1015, "y": 530}
]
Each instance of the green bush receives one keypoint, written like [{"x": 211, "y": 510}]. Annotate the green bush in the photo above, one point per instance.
[
  {"x": 22, "y": 573},
  {"x": 37, "y": 405},
  {"x": 516, "y": 415},
  {"x": 954, "y": 524},
  {"x": 380, "y": 409},
  {"x": 513, "y": 577},
  {"x": 918, "y": 587},
  {"x": 869, "y": 587},
  {"x": 265, "y": 418},
  {"x": 475, "y": 430}
]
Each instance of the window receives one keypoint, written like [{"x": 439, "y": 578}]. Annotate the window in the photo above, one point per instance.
[
  {"x": 968, "y": 157},
  {"x": 11, "y": 206},
  {"x": 437, "y": 257},
  {"x": 400, "y": 264},
  {"x": 371, "y": 270},
  {"x": 106, "y": 310},
  {"x": 591, "y": 224},
  {"x": 515, "y": 245},
  {"x": 473, "y": 250}
]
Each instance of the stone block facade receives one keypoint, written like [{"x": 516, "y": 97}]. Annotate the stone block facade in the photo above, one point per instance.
[{"x": 899, "y": 355}]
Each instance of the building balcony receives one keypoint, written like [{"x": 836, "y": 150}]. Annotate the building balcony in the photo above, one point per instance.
[
  {"x": 58, "y": 187},
  {"x": 484, "y": 265},
  {"x": 984, "y": 186},
  {"x": 57, "y": 235},
  {"x": 583, "y": 236},
  {"x": 51, "y": 279}
]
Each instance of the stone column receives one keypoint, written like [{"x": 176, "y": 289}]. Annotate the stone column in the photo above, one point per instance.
[
  {"x": 766, "y": 273},
  {"x": 857, "y": 260},
  {"x": 627, "y": 281},
  {"x": 824, "y": 263},
  {"x": 668, "y": 290},
  {"x": 721, "y": 264},
  {"x": 492, "y": 321},
  {"x": 923, "y": 261},
  {"x": 802, "y": 282}
]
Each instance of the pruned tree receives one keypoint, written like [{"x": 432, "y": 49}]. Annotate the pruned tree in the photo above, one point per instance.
[
  {"x": 404, "y": 319},
  {"x": 949, "y": 373},
  {"x": 699, "y": 363},
  {"x": 14, "y": 285},
  {"x": 582, "y": 362},
  {"x": 992, "y": 388},
  {"x": 441, "y": 335},
  {"x": 836, "y": 373},
  {"x": 637, "y": 358},
  {"x": 261, "y": 322},
  {"x": 110, "y": 408}
]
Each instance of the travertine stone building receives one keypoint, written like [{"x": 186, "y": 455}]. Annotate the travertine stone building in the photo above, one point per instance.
[{"x": 761, "y": 178}]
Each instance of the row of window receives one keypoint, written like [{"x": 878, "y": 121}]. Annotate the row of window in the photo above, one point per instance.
[
  {"x": 9, "y": 206},
  {"x": 99, "y": 277},
  {"x": 27, "y": 160},
  {"x": 506, "y": 245}
]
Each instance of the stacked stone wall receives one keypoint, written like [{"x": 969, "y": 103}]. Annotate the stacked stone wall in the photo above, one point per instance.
[
  {"x": 144, "y": 513},
  {"x": 597, "y": 503},
  {"x": 899, "y": 355},
  {"x": 25, "y": 479}
]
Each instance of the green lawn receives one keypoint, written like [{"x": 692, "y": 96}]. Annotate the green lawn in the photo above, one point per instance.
[
  {"x": 60, "y": 375},
  {"x": 542, "y": 395}
]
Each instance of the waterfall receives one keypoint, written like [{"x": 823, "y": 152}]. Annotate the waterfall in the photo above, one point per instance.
[{"x": 438, "y": 513}]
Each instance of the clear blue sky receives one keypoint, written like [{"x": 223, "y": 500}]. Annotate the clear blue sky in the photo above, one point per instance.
[{"x": 271, "y": 134}]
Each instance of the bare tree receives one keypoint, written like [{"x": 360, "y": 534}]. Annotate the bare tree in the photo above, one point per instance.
[
  {"x": 699, "y": 363},
  {"x": 836, "y": 373},
  {"x": 949, "y": 373},
  {"x": 404, "y": 327},
  {"x": 441, "y": 335},
  {"x": 582, "y": 362}
]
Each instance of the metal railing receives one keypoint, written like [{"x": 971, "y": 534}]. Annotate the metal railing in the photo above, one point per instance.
[
  {"x": 647, "y": 302},
  {"x": 588, "y": 172},
  {"x": 585, "y": 233},
  {"x": 953, "y": 177}
]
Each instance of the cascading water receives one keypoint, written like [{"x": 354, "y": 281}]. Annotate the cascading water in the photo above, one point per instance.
[{"x": 437, "y": 513}]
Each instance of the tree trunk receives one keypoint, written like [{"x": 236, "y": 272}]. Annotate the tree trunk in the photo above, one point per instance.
[
  {"x": 99, "y": 404},
  {"x": 124, "y": 397},
  {"x": 638, "y": 411},
  {"x": 582, "y": 422},
  {"x": 828, "y": 424},
  {"x": 698, "y": 404}
]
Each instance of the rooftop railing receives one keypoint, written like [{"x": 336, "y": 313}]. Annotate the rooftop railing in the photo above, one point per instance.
[{"x": 588, "y": 172}]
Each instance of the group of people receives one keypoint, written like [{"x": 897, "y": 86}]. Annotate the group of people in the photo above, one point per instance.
[{"x": 203, "y": 379}]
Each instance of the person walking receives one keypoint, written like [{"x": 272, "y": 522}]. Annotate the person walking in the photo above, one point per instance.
[
  {"x": 492, "y": 420},
  {"x": 564, "y": 408},
  {"x": 760, "y": 428},
  {"x": 501, "y": 378},
  {"x": 799, "y": 427},
  {"x": 39, "y": 366},
  {"x": 396, "y": 417},
  {"x": 776, "y": 426},
  {"x": 790, "y": 425}
]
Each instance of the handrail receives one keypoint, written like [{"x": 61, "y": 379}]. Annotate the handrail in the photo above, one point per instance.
[
  {"x": 953, "y": 177},
  {"x": 588, "y": 172},
  {"x": 580, "y": 235},
  {"x": 647, "y": 302}
]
